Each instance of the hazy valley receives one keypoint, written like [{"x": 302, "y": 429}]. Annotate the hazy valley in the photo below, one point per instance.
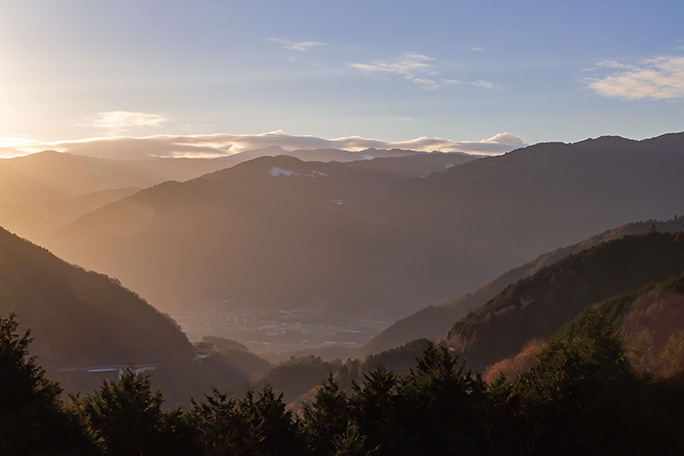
[{"x": 285, "y": 273}]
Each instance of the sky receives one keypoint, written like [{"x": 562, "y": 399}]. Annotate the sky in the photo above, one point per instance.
[{"x": 392, "y": 72}]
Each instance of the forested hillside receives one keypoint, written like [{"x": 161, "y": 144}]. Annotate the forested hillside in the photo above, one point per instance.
[
  {"x": 80, "y": 318},
  {"x": 580, "y": 394},
  {"x": 434, "y": 321},
  {"x": 539, "y": 305}
]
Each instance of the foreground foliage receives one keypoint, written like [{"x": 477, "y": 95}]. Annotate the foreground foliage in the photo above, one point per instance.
[{"x": 582, "y": 396}]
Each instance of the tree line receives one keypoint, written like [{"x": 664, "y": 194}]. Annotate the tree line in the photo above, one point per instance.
[{"x": 582, "y": 396}]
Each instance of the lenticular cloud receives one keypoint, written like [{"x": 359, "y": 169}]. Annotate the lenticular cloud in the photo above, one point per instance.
[{"x": 220, "y": 145}]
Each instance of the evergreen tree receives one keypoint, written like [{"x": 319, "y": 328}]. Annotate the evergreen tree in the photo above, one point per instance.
[
  {"x": 568, "y": 398},
  {"x": 442, "y": 407},
  {"x": 221, "y": 428},
  {"x": 373, "y": 406},
  {"x": 33, "y": 420},
  {"x": 275, "y": 430},
  {"x": 351, "y": 443},
  {"x": 247, "y": 427},
  {"x": 125, "y": 418},
  {"x": 327, "y": 418}
]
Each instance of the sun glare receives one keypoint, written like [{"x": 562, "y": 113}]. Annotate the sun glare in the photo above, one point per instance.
[{"x": 14, "y": 147}]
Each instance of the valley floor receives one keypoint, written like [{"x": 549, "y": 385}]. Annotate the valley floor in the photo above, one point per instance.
[{"x": 268, "y": 331}]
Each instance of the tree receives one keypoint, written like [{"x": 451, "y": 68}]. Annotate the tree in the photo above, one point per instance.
[
  {"x": 275, "y": 430},
  {"x": 327, "y": 418},
  {"x": 443, "y": 407},
  {"x": 221, "y": 429},
  {"x": 373, "y": 405},
  {"x": 246, "y": 427},
  {"x": 125, "y": 418},
  {"x": 569, "y": 400},
  {"x": 33, "y": 419}
]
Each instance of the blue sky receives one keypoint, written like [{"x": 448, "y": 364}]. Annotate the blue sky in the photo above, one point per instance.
[{"x": 389, "y": 70}]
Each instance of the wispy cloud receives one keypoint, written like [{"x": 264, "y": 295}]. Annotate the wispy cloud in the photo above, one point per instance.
[
  {"x": 219, "y": 145},
  {"x": 407, "y": 64},
  {"x": 476, "y": 48},
  {"x": 120, "y": 121},
  {"x": 418, "y": 68},
  {"x": 659, "y": 78},
  {"x": 486, "y": 85},
  {"x": 301, "y": 46}
]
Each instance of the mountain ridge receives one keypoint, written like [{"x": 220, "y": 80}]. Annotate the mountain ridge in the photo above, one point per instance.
[
  {"x": 540, "y": 304},
  {"x": 433, "y": 322}
]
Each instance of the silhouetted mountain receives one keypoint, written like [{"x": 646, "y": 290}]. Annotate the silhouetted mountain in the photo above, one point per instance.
[
  {"x": 347, "y": 238},
  {"x": 433, "y": 322},
  {"x": 418, "y": 165},
  {"x": 66, "y": 175},
  {"x": 265, "y": 226},
  {"x": 79, "y": 318},
  {"x": 42, "y": 192},
  {"x": 485, "y": 214},
  {"x": 539, "y": 305},
  {"x": 86, "y": 326}
]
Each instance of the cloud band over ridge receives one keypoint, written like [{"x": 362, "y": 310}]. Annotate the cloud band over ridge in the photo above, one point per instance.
[{"x": 219, "y": 145}]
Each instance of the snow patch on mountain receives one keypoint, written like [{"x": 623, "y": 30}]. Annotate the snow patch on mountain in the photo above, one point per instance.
[{"x": 275, "y": 171}]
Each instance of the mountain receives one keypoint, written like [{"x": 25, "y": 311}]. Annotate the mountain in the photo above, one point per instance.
[
  {"x": 59, "y": 175},
  {"x": 86, "y": 326},
  {"x": 42, "y": 192},
  {"x": 250, "y": 234},
  {"x": 351, "y": 240},
  {"x": 539, "y": 305},
  {"x": 17, "y": 187},
  {"x": 410, "y": 166},
  {"x": 40, "y": 218},
  {"x": 650, "y": 322},
  {"x": 81, "y": 318},
  {"x": 493, "y": 210},
  {"x": 71, "y": 175},
  {"x": 325, "y": 155},
  {"x": 433, "y": 322}
]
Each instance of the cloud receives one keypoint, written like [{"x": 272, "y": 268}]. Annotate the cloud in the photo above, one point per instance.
[
  {"x": 407, "y": 64},
  {"x": 12, "y": 146},
  {"x": 219, "y": 145},
  {"x": 419, "y": 69},
  {"x": 659, "y": 78},
  {"x": 301, "y": 46},
  {"x": 505, "y": 138},
  {"x": 118, "y": 121},
  {"x": 476, "y": 48},
  {"x": 486, "y": 85}
]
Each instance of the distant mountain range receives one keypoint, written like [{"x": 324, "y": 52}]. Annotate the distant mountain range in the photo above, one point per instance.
[
  {"x": 281, "y": 218},
  {"x": 45, "y": 191},
  {"x": 51, "y": 175}
]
